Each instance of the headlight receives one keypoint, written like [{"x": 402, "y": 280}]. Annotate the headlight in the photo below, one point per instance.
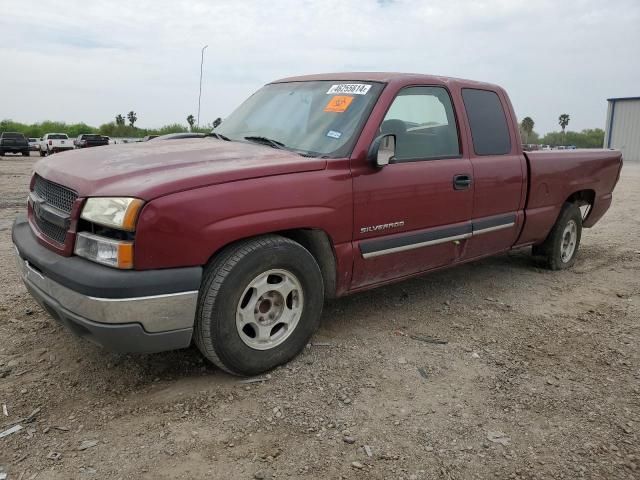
[
  {"x": 114, "y": 212},
  {"x": 114, "y": 253}
]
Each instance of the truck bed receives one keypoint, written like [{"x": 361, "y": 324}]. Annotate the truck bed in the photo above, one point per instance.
[{"x": 557, "y": 175}]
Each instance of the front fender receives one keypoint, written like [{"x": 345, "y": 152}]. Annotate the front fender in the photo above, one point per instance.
[{"x": 187, "y": 228}]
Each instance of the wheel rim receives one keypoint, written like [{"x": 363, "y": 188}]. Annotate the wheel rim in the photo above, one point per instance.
[
  {"x": 269, "y": 309},
  {"x": 569, "y": 240}
]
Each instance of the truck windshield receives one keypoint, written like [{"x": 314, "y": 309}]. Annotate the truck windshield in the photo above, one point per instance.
[{"x": 319, "y": 118}]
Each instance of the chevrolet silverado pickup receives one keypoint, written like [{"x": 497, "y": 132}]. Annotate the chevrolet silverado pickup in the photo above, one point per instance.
[{"x": 314, "y": 188}]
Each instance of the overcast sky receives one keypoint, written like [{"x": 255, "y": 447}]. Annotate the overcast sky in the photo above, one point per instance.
[{"x": 92, "y": 60}]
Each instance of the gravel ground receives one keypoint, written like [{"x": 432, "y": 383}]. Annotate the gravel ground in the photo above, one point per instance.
[{"x": 538, "y": 378}]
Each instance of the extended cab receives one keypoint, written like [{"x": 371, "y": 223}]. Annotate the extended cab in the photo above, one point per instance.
[
  {"x": 54, "y": 143},
  {"x": 314, "y": 188},
  {"x": 13, "y": 142}
]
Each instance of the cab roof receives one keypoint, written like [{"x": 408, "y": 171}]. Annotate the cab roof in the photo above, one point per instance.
[{"x": 390, "y": 77}]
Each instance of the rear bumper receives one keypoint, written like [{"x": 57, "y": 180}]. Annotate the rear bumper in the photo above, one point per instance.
[
  {"x": 98, "y": 303},
  {"x": 60, "y": 149},
  {"x": 14, "y": 148}
]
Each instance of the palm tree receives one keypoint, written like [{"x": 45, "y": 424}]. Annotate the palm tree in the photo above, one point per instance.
[
  {"x": 119, "y": 120},
  {"x": 132, "y": 117},
  {"x": 527, "y": 127},
  {"x": 191, "y": 121},
  {"x": 563, "y": 120}
]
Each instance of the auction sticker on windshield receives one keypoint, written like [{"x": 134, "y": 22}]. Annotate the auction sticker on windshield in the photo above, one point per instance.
[
  {"x": 338, "y": 104},
  {"x": 352, "y": 88}
]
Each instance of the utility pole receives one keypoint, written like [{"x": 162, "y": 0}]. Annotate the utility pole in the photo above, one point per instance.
[{"x": 200, "y": 93}]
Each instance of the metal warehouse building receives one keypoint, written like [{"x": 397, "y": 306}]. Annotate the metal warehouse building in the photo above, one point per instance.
[{"x": 622, "y": 130}]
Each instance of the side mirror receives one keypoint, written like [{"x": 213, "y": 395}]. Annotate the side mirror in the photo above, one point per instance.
[{"x": 382, "y": 150}]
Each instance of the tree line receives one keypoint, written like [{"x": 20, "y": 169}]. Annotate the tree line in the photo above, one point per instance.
[
  {"x": 122, "y": 126},
  {"x": 587, "y": 138}
]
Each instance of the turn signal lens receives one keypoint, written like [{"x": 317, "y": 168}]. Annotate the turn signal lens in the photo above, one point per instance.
[{"x": 107, "y": 251}]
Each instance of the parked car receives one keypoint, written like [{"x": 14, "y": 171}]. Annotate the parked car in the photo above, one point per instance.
[
  {"x": 314, "y": 188},
  {"x": 34, "y": 144},
  {"x": 54, "y": 143},
  {"x": 178, "y": 136},
  {"x": 87, "y": 140},
  {"x": 13, "y": 142},
  {"x": 545, "y": 147}
]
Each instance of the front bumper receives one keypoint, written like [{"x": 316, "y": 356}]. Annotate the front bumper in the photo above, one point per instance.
[{"x": 124, "y": 311}]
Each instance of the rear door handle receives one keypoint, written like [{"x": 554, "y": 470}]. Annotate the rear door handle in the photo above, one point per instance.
[{"x": 461, "y": 182}]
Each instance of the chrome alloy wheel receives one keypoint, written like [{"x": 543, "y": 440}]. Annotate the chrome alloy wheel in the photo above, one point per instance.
[
  {"x": 569, "y": 239},
  {"x": 269, "y": 309}
]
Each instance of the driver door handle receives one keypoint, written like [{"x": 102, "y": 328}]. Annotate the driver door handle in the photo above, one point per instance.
[{"x": 461, "y": 182}]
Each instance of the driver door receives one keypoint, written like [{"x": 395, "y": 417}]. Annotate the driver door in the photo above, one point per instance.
[{"x": 414, "y": 214}]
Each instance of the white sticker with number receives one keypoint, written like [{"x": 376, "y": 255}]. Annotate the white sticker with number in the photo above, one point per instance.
[{"x": 350, "y": 88}]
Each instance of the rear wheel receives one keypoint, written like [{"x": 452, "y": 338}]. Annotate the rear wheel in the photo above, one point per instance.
[
  {"x": 560, "y": 248},
  {"x": 25, "y": 153},
  {"x": 41, "y": 153},
  {"x": 1, "y": 153},
  {"x": 260, "y": 302}
]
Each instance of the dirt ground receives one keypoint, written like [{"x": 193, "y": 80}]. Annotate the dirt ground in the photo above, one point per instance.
[{"x": 539, "y": 378}]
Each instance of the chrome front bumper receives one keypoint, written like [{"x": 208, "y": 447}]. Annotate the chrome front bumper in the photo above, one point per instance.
[{"x": 157, "y": 313}]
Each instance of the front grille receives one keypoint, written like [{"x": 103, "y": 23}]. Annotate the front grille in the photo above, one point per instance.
[
  {"x": 55, "y": 195},
  {"x": 50, "y": 230}
]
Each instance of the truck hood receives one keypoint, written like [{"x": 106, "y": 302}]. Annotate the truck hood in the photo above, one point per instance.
[{"x": 151, "y": 169}]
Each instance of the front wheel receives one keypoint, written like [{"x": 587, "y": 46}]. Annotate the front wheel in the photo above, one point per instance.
[
  {"x": 560, "y": 248},
  {"x": 260, "y": 302}
]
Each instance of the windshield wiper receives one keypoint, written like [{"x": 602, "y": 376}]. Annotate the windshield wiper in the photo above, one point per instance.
[
  {"x": 219, "y": 136},
  {"x": 266, "y": 141}
]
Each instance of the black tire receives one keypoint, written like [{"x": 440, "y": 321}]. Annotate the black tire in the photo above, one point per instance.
[
  {"x": 1, "y": 153},
  {"x": 551, "y": 250},
  {"x": 228, "y": 277},
  {"x": 25, "y": 154},
  {"x": 41, "y": 153}
]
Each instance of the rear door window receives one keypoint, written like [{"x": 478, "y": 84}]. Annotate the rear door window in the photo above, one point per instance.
[{"x": 488, "y": 122}]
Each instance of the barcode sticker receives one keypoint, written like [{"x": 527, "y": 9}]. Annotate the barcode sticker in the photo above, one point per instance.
[{"x": 351, "y": 88}]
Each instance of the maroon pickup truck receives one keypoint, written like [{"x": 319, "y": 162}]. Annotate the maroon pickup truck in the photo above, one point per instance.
[{"x": 314, "y": 188}]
